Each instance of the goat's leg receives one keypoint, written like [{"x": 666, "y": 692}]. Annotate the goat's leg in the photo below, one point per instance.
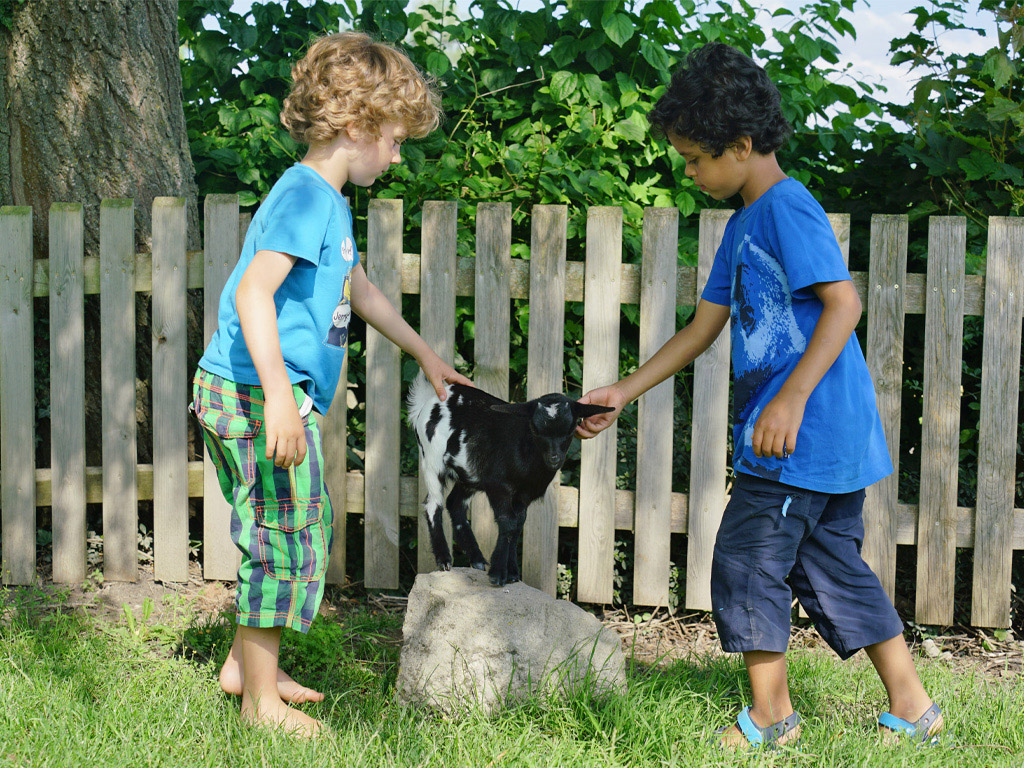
[
  {"x": 514, "y": 574},
  {"x": 505, "y": 517},
  {"x": 458, "y": 505},
  {"x": 432, "y": 510}
]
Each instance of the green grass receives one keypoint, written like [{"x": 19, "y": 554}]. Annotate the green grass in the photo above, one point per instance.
[{"x": 77, "y": 691}]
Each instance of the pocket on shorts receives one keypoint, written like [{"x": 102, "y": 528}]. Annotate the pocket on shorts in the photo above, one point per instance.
[
  {"x": 287, "y": 516},
  {"x": 227, "y": 420},
  {"x": 292, "y": 539}
]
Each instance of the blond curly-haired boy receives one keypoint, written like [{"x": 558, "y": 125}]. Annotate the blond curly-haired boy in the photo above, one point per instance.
[{"x": 277, "y": 353}]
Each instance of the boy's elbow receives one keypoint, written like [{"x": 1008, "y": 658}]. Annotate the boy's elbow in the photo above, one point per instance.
[{"x": 856, "y": 308}]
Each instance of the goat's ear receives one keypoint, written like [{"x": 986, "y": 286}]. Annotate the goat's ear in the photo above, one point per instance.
[
  {"x": 513, "y": 409},
  {"x": 586, "y": 410}
]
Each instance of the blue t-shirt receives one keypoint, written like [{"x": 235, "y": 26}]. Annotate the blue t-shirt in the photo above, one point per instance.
[
  {"x": 772, "y": 252},
  {"x": 307, "y": 218}
]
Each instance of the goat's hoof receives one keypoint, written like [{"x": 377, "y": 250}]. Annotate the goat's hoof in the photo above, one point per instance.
[
  {"x": 481, "y": 566},
  {"x": 444, "y": 566},
  {"x": 497, "y": 581}
]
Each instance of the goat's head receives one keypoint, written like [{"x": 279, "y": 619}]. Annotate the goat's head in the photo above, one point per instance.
[{"x": 553, "y": 419}]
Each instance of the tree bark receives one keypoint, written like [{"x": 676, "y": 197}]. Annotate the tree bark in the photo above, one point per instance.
[{"x": 91, "y": 108}]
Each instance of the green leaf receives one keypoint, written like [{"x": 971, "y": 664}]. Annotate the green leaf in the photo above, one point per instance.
[
  {"x": 978, "y": 166},
  {"x": 655, "y": 55},
  {"x": 999, "y": 67},
  {"x": 225, "y": 156},
  {"x": 630, "y": 130},
  {"x": 248, "y": 175},
  {"x": 563, "y": 85},
  {"x": 247, "y": 199},
  {"x": 564, "y": 50},
  {"x": 493, "y": 79},
  {"x": 600, "y": 59},
  {"x": 593, "y": 86},
  {"x": 438, "y": 64},
  {"x": 619, "y": 28},
  {"x": 807, "y": 47}
]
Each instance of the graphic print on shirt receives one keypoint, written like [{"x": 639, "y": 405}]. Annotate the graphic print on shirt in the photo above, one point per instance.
[
  {"x": 337, "y": 334},
  {"x": 347, "y": 249},
  {"x": 768, "y": 334}
]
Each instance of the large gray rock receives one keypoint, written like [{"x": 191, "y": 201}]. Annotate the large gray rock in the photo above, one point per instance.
[{"x": 468, "y": 644}]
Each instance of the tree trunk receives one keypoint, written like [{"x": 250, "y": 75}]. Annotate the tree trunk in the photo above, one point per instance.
[{"x": 91, "y": 108}]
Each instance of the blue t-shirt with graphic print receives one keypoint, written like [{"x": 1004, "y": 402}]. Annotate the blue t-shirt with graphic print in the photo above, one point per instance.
[
  {"x": 772, "y": 252},
  {"x": 305, "y": 217}
]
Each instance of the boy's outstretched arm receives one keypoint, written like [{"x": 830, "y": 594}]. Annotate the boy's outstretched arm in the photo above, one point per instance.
[
  {"x": 676, "y": 353},
  {"x": 254, "y": 298},
  {"x": 775, "y": 432},
  {"x": 374, "y": 307}
]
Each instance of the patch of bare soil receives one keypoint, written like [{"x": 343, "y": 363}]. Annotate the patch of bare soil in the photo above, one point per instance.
[
  {"x": 146, "y": 599},
  {"x": 663, "y": 638}
]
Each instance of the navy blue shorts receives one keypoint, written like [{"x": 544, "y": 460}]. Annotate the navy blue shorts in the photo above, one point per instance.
[{"x": 776, "y": 541}]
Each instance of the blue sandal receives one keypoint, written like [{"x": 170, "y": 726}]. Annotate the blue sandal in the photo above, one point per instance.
[
  {"x": 917, "y": 731},
  {"x": 766, "y": 737}
]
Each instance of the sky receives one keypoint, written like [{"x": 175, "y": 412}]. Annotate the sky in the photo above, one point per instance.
[{"x": 876, "y": 21}]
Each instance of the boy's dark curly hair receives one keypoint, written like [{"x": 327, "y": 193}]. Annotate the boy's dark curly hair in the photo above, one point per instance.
[{"x": 718, "y": 95}]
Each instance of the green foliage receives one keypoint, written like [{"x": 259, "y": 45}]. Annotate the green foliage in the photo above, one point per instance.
[
  {"x": 966, "y": 114},
  {"x": 545, "y": 106},
  {"x": 234, "y": 80},
  {"x": 8, "y": 9}
]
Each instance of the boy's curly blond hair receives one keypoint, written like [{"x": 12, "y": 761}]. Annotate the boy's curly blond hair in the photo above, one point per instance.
[{"x": 347, "y": 81}]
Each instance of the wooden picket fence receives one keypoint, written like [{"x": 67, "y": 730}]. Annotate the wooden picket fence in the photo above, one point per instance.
[{"x": 937, "y": 526}]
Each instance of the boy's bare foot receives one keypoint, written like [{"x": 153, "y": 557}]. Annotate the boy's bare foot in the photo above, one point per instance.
[
  {"x": 289, "y": 690},
  {"x": 276, "y": 714}
]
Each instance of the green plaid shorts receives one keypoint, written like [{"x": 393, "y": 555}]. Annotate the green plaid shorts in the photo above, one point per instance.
[{"x": 281, "y": 519}]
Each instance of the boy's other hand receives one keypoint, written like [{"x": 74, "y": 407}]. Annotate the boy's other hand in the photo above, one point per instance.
[
  {"x": 608, "y": 396},
  {"x": 439, "y": 373},
  {"x": 286, "y": 437},
  {"x": 776, "y": 428}
]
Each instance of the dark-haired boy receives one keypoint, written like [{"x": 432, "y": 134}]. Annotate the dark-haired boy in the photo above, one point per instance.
[{"x": 795, "y": 511}]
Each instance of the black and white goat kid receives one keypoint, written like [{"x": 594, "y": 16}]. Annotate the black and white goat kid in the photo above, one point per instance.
[{"x": 474, "y": 442}]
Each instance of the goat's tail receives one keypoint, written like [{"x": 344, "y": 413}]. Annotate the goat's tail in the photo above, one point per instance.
[{"x": 421, "y": 395}]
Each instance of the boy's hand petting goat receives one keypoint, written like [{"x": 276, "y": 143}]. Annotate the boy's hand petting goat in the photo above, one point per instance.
[{"x": 473, "y": 441}]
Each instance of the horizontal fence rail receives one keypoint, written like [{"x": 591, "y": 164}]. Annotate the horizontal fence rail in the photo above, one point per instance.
[{"x": 597, "y": 510}]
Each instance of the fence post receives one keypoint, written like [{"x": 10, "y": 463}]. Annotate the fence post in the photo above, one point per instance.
[
  {"x": 383, "y": 394},
  {"x": 67, "y": 391},
  {"x": 710, "y": 428},
  {"x": 17, "y": 398},
  {"x": 334, "y": 442},
  {"x": 117, "y": 343},
  {"x": 220, "y": 254},
  {"x": 887, "y": 278},
  {"x": 170, "y": 392},
  {"x": 437, "y": 326},
  {"x": 545, "y": 352},
  {"x": 601, "y": 311},
  {"x": 653, "y": 517},
  {"x": 997, "y": 425},
  {"x": 940, "y": 424},
  {"x": 492, "y": 317}
]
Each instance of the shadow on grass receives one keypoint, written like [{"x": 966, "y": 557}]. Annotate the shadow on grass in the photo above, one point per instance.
[{"x": 354, "y": 654}]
